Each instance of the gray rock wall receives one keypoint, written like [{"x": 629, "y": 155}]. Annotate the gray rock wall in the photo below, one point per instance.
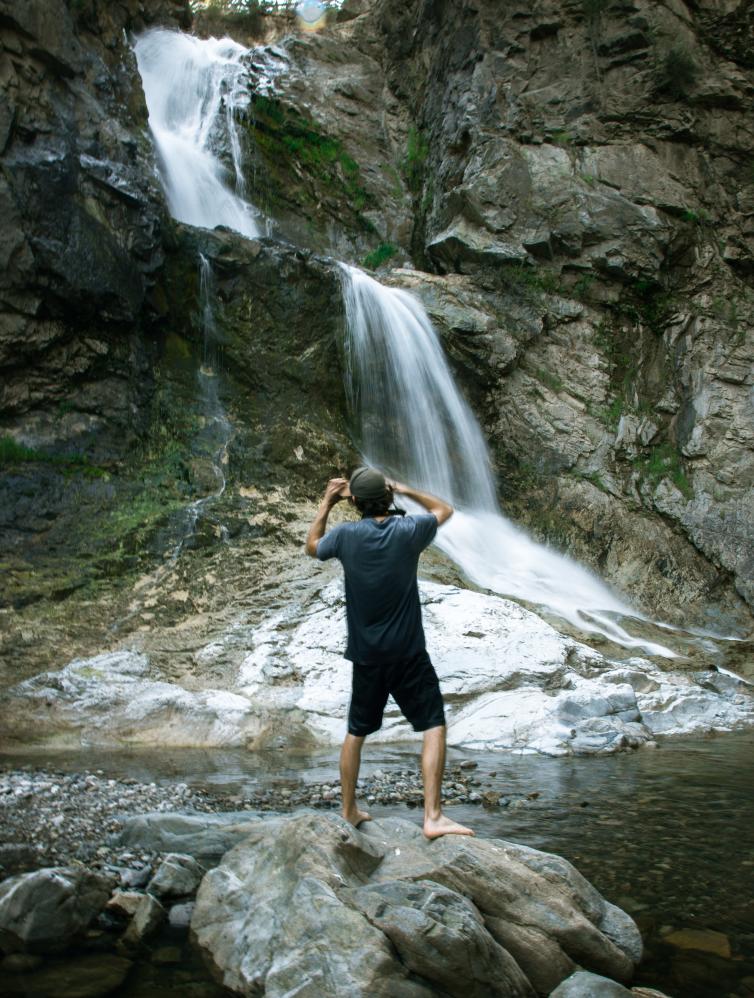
[{"x": 588, "y": 168}]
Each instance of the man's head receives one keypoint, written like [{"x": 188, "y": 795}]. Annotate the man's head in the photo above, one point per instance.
[{"x": 370, "y": 492}]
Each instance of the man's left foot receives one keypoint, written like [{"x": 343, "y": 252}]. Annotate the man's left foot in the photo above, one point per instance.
[
  {"x": 434, "y": 828},
  {"x": 357, "y": 817}
]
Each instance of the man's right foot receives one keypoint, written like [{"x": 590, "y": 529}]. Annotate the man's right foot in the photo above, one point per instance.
[
  {"x": 357, "y": 817},
  {"x": 436, "y": 827}
]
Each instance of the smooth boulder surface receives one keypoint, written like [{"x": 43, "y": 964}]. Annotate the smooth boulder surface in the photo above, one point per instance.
[
  {"x": 178, "y": 876},
  {"x": 510, "y": 682},
  {"x": 43, "y": 911},
  {"x": 310, "y": 905}
]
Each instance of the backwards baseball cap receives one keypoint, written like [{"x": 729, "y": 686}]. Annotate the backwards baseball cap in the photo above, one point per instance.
[{"x": 367, "y": 483}]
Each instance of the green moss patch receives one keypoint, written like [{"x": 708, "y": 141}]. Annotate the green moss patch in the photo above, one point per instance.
[
  {"x": 383, "y": 253},
  {"x": 12, "y": 453},
  {"x": 303, "y": 161},
  {"x": 664, "y": 461}
]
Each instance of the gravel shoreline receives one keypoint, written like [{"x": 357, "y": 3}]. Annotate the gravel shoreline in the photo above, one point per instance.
[{"x": 51, "y": 817}]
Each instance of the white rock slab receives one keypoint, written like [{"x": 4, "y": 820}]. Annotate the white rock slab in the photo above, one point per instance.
[
  {"x": 511, "y": 682},
  {"x": 110, "y": 700}
]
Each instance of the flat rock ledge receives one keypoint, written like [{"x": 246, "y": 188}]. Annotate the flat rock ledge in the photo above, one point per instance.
[
  {"x": 511, "y": 682},
  {"x": 309, "y": 905}
]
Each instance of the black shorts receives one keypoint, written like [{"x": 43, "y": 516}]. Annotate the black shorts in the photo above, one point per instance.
[{"x": 411, "y": 682}]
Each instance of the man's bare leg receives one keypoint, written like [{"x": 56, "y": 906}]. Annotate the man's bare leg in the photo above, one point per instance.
[
  {"x": 433, "y": 765},
  {"x": 350, "y": 760}
]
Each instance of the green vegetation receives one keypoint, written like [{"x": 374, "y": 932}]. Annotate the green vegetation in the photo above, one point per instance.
[
  {"x": 530, "y": 281},
  {"x": 581, "y": 288},
  {"x": 379, "y": 256},
  {"x": 552, "y": 381},
  {"x": 677, "y": 72},
  {"x": 593, "y": 477},
  {"x": 561, "y": 138},
  {"x": 12, "y": 452},
  {"x": 244, "y": 15},
  {"x": 664, "y": 461},
  {"x": 413, "y": 165},
  {"x": 594, "y": 8},
  {"x": 700, "y": 217},
  {"x": 283, "y": 135},
  {"x": 613, "y": 413}
]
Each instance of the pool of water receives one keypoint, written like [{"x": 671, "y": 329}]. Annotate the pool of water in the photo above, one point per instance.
[{"x": 666, "y": 834}]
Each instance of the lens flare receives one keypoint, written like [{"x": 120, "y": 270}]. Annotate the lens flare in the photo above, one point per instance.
[{"x": 311, "y": 15}]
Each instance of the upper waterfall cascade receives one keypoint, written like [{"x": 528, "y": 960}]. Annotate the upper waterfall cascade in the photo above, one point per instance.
[
  {"x": 193, "y": 88},
  {"x": 413, "y": 422}
]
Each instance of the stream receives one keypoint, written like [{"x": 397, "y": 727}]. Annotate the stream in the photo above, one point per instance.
[{"x": 666, "y": 834}]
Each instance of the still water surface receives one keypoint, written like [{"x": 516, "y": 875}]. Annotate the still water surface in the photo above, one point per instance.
[{"x": 668, "y": 835}]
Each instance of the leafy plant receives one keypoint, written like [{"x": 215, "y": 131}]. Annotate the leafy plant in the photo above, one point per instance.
[
  {"x": 553, "y": 382},
  {"x": 282, "y": 135},
  {"x": 11, "y": 452},
  {"x": 379, "y": 256},
  {"x": 664, "y": 461},
  {"x": 417, "y": 151},
  {"x": 677, "y": 72}
]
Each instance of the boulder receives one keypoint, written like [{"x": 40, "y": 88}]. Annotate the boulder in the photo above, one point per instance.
[
  {"x": 124, "y": 903},
  {"x": 43, "y": 911},
  {"x": 178, "y": 876},
  {"x": 148, "y": 917},
  {"x": 206, "y": 837},
  {"x": 312, "y": 905}
]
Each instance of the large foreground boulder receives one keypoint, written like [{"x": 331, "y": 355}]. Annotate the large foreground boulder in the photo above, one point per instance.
[
  {"x": 41, "y": 912},
  {"x": 312, "y": 906}
]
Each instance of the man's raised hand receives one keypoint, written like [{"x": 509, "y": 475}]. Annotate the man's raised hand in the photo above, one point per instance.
[{"x": 334, "y": 490}]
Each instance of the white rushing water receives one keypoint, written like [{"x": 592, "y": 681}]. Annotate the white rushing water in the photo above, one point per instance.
[
  {"x": 414, "y": 423},
  {"x": 416, "y": 427},
  {"x": 193, "y": 88}
]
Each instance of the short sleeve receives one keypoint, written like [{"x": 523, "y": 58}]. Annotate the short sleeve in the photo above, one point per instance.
[
  {"x": 329, "y": 545},
  {"x": 424, "y": 530}
]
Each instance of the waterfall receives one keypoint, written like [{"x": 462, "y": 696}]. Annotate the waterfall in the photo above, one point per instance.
[
  {"x": 414, "y": 423},
  {"x": 415, "y": 426},
  {"x": 193, "y": 88}
]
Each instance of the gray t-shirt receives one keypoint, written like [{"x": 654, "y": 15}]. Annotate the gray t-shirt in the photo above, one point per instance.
[{"x": 380, "y": 560}]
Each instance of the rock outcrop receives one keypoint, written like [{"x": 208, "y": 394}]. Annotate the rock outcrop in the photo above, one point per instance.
[
  {"x": 41, "y": 912},
  {"x": 510, "y": 682},
  {"x": 586, "y": 169},
  {"x": 310, "y": 903}
]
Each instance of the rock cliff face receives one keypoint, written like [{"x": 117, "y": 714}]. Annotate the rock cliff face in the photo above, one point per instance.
[
  {"x": 578, "y": 176},
  {"x": 567, "y": 187}
]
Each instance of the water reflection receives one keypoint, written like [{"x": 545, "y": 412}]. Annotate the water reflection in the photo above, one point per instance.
[{"x": 666, "y": 834}]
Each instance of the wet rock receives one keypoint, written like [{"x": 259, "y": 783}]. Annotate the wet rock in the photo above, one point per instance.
[
  {"x": 704, "y": 940},
  {"x": 42, "y": 912},
  {"x": 147, "y": 918},
  {"x": 124, "y": 903},
  {"x": 88, "y": 976},
  {"x": 205, "y": 837},
  {"x": 316, "y": 877},
  {"x": 179, "y": 915},
  {"x": 115, "y": 688},
  {"x": 177, "y": 876},
  {"x": 586, "y": 985}
]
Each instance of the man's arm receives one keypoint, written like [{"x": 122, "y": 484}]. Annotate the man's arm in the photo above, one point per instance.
[
  {"x": 317, "y": 530},
  {"x": 441, "y": 509}
]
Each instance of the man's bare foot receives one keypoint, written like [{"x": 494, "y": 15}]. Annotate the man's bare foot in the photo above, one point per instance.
[
  {"x": 356, "y": 817},
  {"x": 435, "y": 827}
]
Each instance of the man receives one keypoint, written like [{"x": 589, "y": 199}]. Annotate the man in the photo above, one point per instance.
[{"x": 380, "y": 556}]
